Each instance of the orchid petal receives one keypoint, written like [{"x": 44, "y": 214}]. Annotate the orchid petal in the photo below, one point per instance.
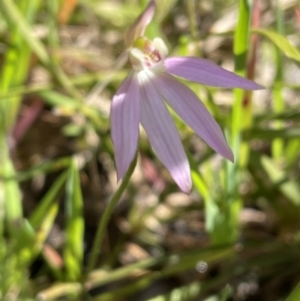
[
  {"x": 162, "y": 133},
  {"x": 125, "y": 118},
  {"x": 187, "y": 105},
  {"x": 207, "y": 73},
  {"x": 137, "y": 29}
]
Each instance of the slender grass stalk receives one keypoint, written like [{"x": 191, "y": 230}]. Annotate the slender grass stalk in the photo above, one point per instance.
[
  {"x": 241, "y": 39},
  {"x": 14, "y": 16},
  {"x": 295, "y": 295},
  {"x": 191, "y": 7},
  {"x": 80, "y": 80},
  {"x": 73, "y": 249},
  {"x": 11, "y": 194},
  {"x": 97, "y": 246},
  {"x": 232, "y": 200},
  {"x": 247, "y": 111},
  {"x": 278, "y": 103}
]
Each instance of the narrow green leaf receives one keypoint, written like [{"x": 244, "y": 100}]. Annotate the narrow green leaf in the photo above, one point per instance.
[
  {"x": 278, "y": 101},
  {"x": 12, "y": 196},
  {"x": 227, "y": 207},
  {"x": 40, "y": 212},
  {"x": 241, "y": 43},
  {"x": 222, "y": 218},
  {"x": 14, "y": 73},
  {"x": 10, "y": 190},
  {"x": 14, "y": 17},
  {"x": 241, "y": 37},
  {"x": 289, "y": 114},
  {"x": 292, "y": 152},
  {"x": 295, "y": 295},
  {"x": 281, "y": 42},
  {"x": 227, "y": 291},
  {"x": 80, "y": 80},
  {"x": 72, "y": 105},
  {"x": 2, "y": 212},
  {"x": 269, "y": 134},
  {"x": 221, "y": 212},
  {"x": 289, "y": 188},
  {"x": 73, "y": 251},
  {"x": 27, "y": 235},
  {"x": 60, "y": 100},
  {"x": 45, "y": 227},
  {"x": 32, "y": 243},
  {"x": 198, "y": 181},
  {"x": 186, "y": 293}
]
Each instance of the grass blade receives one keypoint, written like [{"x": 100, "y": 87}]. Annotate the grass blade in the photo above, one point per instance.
[
  {"x": 278, "y": 102},
  {"x": 295, "y": 295},
  {"x": 73, "y": 251},
  {"x": 281, "y": 42}
]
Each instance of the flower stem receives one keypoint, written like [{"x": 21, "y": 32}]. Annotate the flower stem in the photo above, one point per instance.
[{"x": 97, "y": 246}]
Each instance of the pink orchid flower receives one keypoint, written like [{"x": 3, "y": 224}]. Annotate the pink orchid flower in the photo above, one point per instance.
[{"x": 141, "y": 99}]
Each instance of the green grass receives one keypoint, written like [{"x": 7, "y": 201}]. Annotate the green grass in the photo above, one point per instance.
[{"x": 68, "y": 232}]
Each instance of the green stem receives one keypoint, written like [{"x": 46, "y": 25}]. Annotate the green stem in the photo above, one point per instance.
[
  {"x": 191, "y": 6},
  {"x": 97, "y": 246}
]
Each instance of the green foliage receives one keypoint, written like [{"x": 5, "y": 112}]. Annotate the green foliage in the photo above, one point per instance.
[
  {"x": 295, "y": 295},
  {"x": 281, "y": 42},
  {"x": 67, "y": 232},
  {"x": 73, "y": 252}
]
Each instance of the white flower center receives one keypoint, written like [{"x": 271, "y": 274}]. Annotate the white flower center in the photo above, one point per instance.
[{"x": 147, "y": 54}]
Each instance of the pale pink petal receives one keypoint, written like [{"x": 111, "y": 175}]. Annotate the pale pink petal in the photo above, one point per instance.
[
  {"x": 187, "y": 105},
  {"x": 207, "y": 73},
  {"x": 137, "y": 29},
  {"x": 125, "y": 118},
  {"x": 163, "y": 135}
]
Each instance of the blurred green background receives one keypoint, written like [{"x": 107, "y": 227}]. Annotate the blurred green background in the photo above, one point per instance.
[{"x": 236, "y": 237}]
